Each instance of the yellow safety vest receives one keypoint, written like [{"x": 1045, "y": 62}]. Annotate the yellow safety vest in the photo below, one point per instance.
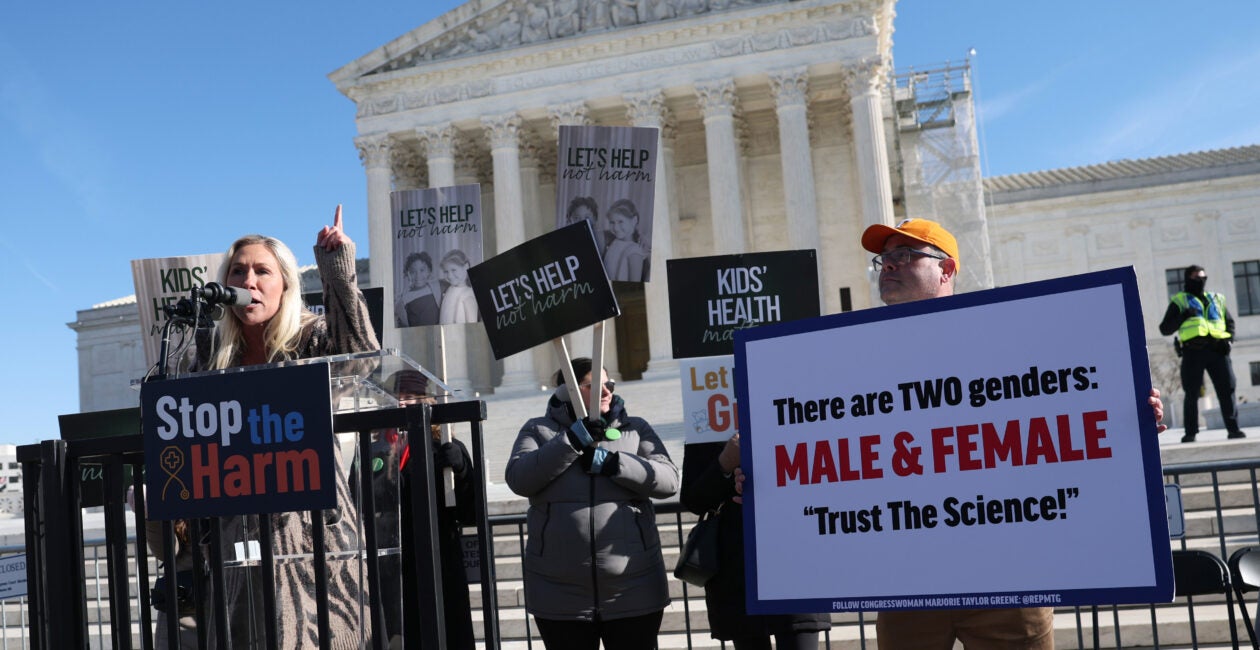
[{"x": 1211, "y": 323}]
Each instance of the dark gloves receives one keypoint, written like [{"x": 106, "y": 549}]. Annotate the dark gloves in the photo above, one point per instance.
[
  {"x": 585, "y": 435},
  {"x": 450, "y": 455},
  {"x": 597, "y": 460},
  {"x": 1223, "y": 346}
]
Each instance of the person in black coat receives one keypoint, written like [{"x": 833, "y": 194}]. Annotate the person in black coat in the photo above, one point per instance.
[
  {"x": 708, "y": 483},
  {"x": 410, "y": 387}
]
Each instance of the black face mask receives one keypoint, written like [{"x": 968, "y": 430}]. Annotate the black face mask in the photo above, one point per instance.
[{"x": 1195, "y": 285}]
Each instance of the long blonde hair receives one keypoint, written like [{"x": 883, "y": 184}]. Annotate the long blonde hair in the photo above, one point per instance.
[{"x": 284, "y": 331}]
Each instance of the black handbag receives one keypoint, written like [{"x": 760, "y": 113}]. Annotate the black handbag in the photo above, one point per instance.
[{"x": 698, "y": 561}]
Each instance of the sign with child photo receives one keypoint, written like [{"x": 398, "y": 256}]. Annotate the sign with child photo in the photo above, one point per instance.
[
  {"x": 607, "y": 176},
  {"x": 437, "y": 237},
  {"x": 966, "y": 451},
  {"x": 545, "y": 288}
]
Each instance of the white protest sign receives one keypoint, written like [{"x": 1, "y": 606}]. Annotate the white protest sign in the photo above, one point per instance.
[
  {"x": 989, "y": 449},
  {"x": 708, "y": 398},
  {"x": 162, "y": 281},
  {"x": 12, "y": 576}
]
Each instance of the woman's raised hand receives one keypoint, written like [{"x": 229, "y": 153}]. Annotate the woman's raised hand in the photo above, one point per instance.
[{"x": 332, "y": 238}]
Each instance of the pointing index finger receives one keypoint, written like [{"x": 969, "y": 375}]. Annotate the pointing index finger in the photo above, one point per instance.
[{"x": 337, "y": 217}]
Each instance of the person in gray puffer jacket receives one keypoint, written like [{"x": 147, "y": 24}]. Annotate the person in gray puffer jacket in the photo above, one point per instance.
[{"x": 593, "y": 565}]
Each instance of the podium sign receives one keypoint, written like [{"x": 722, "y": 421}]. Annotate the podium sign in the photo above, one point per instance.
[{"x": 239, "y": 443}]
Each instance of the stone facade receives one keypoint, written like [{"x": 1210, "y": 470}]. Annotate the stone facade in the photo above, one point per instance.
[
  {"x": 1154, "y": 214},
  {"x": 777, "y": 127},
  {"x": 773, "y": 120}
]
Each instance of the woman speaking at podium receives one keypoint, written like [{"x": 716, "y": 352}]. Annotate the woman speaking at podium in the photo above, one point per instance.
[{"x": 275, "y": 326}]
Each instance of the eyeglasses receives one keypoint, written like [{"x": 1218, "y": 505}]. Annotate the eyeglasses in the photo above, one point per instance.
[
  {"x": 899, "y": 256},
  {"x": 610, "y": 385}
]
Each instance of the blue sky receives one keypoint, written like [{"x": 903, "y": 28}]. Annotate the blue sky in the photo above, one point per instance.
[{"x": 142, "y": 129}]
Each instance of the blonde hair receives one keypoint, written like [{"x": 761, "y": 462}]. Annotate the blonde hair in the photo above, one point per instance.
[{"x": 284, "y": 330}]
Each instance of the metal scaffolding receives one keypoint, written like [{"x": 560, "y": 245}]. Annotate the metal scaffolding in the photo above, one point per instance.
[{"x": 939, "y": 161}]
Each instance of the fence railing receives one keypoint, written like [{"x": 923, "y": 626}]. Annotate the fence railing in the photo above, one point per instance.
[{"x": 1221, "y": 500}]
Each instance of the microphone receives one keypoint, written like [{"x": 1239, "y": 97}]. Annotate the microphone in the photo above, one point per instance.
[{"x": 217, "y": 294}]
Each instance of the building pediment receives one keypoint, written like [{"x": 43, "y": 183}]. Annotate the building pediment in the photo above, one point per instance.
[{"x": 478, "y": 27}]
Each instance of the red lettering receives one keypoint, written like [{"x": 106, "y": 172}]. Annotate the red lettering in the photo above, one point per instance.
[
  {"x": 1009, "y": 446},
  {"x": 1095, "y": 434},
  {"x": 795, "y": 468},
  {"x": 297, "y": 465},
  {"x": 1040, "y": 444},
  {"x": 869, "y": 456},
  {"x": 261, "y": 461},
  {"x": 824, "y": 464},
  {"x": 721, "y": 415},
  {"x": 967, "y": 447},
  {"x": 1066, "y": 451},
  {"x": 236, "y": 482},
  {"x": 208, "y": 471}
]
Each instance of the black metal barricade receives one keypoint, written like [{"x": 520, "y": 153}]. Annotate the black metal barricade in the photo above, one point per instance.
[{"x": 58, "y": 613}]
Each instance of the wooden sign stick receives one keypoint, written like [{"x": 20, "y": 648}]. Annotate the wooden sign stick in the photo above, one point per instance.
[
  {"x": 597, "y": 370},
  {"x": 566, "y": 368}
]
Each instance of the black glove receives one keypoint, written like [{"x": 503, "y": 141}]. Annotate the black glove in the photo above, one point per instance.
[
  {"x": 450, "y": 455},
  {"x": 1223, "y": 346},
  {"x": 597, "y": 460},
  {"x": 596, "y": 428}
]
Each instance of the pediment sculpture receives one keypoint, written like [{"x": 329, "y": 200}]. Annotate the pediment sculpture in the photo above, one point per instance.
[{"x": 525, "y": 22}]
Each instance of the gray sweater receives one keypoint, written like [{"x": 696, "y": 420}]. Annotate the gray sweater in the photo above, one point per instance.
[
  {"x": 344, "y": 328},
  {"x": 593, "y": 550}
]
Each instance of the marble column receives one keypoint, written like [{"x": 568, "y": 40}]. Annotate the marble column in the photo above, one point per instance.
[
  {"x": 790, "y": 89},
  {"x": 439, "y": 148},
  {"x": 502, "y": 131},
  {"x": 374, "y": 154},
  {"x": 717, "y": 102},
  {"x": 648, "y": 109},
  {"x": 866, "y": 81}
]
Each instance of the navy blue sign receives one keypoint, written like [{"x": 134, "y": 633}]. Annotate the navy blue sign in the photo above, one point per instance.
[
  {"x": 239, "y": 443},
  {"x": 545, "y": 288},
  {"x": 711, "y": 297}
]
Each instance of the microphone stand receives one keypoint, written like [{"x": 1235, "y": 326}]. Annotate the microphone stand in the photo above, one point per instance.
[{"x": 188, "y": 312}]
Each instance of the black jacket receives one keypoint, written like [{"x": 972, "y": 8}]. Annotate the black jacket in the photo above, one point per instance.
[{"x": 704, "y": 488}]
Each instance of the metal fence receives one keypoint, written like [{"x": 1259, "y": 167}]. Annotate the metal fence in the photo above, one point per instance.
[{"x": 1222, "y": 505}]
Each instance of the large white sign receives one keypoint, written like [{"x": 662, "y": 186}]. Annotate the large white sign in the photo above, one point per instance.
[{"x": 992, "y": 449}]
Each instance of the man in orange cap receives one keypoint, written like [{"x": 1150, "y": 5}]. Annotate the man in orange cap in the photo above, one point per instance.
[{"x": 918, "y": 260}]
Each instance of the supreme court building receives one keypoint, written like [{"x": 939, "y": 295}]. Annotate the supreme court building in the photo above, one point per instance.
[
  {"x": 783, "y": 126},
  {"x": 774, "y": 123}
]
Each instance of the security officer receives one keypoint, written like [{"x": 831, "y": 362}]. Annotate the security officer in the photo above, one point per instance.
[{"x": 1206, "y": 331}]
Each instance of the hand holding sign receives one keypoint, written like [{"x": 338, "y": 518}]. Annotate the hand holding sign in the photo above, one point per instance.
[{"x": 332, "y": 238}]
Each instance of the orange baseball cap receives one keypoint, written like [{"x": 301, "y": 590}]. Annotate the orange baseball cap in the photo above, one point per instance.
[{"x": 924, "y": 230}]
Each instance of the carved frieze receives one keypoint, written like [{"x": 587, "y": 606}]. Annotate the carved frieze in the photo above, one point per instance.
[
  {"x": 617, "y": 58},
  {"x": 525, "y": 22}
]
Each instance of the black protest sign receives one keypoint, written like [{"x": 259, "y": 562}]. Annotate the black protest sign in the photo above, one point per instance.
[
  {"x": 239, "y": 443},
  {"x": 92, "y": 425},
  {"x": 711, "y": 297},
  {"x": 545, "y": 288},
  {"x": 373, "y": 296}
]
